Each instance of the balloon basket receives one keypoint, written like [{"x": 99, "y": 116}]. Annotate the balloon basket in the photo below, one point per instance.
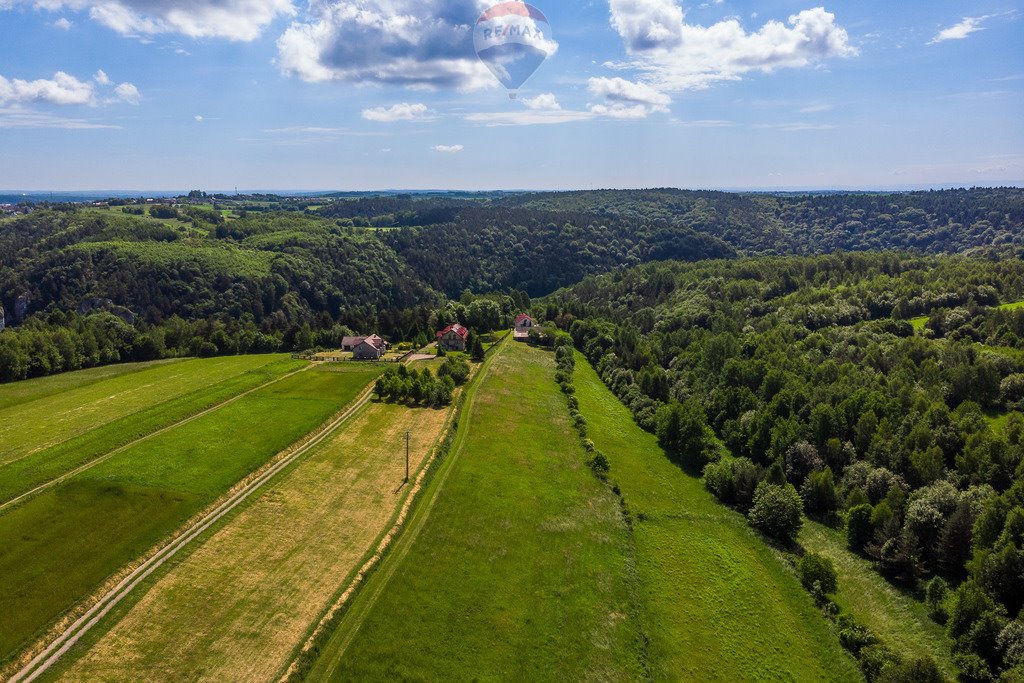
[{"x": 512, "y": 95}]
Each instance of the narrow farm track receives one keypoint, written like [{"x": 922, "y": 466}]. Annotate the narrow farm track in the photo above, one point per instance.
[
  {"x": 378, "y": 581},
  {"x": 67, "y": 639},
  {"x": 142, "y": 439}
]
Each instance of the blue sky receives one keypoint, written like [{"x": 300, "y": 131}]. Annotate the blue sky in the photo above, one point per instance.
[{"x": 373, "y": 94}]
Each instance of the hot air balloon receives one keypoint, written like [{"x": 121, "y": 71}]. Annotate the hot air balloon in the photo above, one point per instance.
[{"x": 513, "y": 39}]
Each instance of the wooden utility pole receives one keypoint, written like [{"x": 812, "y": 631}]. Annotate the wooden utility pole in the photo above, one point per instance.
[{"x": 408, "y": 435}]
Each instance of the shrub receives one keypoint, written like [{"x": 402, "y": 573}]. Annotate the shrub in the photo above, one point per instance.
[
  {"x": 918, "y": 670},
  {"x": 684, "y": 433},
  {"x": 456, "y": 368},
  {"x": 818, "y": 573},
  {"x": 718, "y": 480},
  {"x": 876, "y": 658},
  {"x": 776, "y": 511},
  {"x": 935, "y": 596},
  {"x": 819, "y": 492},
  {"x": 858, "y": 527},
  {"x": 599, "y": 464}
]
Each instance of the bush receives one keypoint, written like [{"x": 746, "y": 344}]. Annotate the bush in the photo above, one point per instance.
[
  {"x": 456, "y": 368},
  {"x": 859, "y": 529},
  {"x": 718, "y": 480},
  {"x": 819, "y": 492},
  {"x": 935, "y": 597},
  {"x": 776, "y": 511},
  {"x": 599, "y": 464},
  {"x": 684, "y": 433},
  {"x": 874, "y": 659},
  {"x": 818, "y": 573},
  {"x": 919, "y": 670}
]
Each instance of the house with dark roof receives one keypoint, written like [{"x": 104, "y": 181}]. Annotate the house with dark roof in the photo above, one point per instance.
[
  {"x": 524, "y": 324},
  {"x": 350, "y": 343},
  {"x": 453, "y": 338},
  {"x": 371, "y": 348}
]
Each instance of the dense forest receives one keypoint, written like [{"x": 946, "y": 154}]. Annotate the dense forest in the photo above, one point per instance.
[
  {"x": 218, "y": 274},
  {"x": 881, "y": 393}
]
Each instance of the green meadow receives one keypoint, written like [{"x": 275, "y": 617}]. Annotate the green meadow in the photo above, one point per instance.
[
  {"x": 37, "y": 414},
  {"x": 89, "y": 436},
  {"x": 520, "y": 572},
  {"x": 901, "y": 621},
  {"x": 715, "y": 601},
  {"x": 58, "y": 547}
]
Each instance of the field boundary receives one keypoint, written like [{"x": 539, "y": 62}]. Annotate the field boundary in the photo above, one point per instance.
[
  {"x": 72, "y": 628},
  {"x": 382, "y": 565},
  {"x": 84, "y": 467}
]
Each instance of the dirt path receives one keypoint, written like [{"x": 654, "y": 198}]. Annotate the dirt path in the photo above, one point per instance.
[
  {"x": 120, "y": 449},
  {"x": 347, "y": 629},
  {"x": 67, "y": 639},
  {"x": 259, "y": 581}
]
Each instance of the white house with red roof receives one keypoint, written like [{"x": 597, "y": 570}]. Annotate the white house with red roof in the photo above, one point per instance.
[
  {"x": 524, "y": 324},
  {"x": 453, "y": 338}
]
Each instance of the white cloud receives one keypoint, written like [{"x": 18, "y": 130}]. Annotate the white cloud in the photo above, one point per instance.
[
  {"x": 817, "y": 108},
  {"x": 415, "y": 43},
  {"x": 673, "y": 56},
  {"x": 127, "y": 93},
  {"x": 702, "y": 123},
  {"x": 959, "y": 31},
  {"x": 625, "y": 99},
  {"x": 533, "y": 117},
  {"x": 796, "y": 127},
  {"x": 543, "y": 102},
  {"x": 63, "y": 24},
  {"x": 65, "y": 89},
  {"x": 448, "y": 149},
  {"x": 61, "y": 89},
  {"x": 17, "y": 117},
  {"x": 648, "y": 24},
  {"x": 243, "y": 20},
  {"x": 621, "y": 91},
  {"x": 198, "y": 118},
  {"x": 397, "y": 112},
  {"x": 620, "y": 111}
]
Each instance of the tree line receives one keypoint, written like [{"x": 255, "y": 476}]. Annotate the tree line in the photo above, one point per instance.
[{"x": 798, "y": 386}]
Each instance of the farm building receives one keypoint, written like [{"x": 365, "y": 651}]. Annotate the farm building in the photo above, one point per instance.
[
  {"x": 371, "y": 348},
  {"x": 524, "y": 324},
  {"x": 350, "y": 343},
  {"x": 453, "y": 338}
]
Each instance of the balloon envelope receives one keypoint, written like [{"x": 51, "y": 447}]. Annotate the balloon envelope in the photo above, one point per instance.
[{"x": 513, "y": 39}]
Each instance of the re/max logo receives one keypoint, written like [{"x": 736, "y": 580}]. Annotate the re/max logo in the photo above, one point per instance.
[{"x": 513, "y": 31}]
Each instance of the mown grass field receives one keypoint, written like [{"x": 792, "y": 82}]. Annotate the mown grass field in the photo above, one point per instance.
[
  {"x": 715, "y": 601},
  {"x": 898, "y": 619},
  {"x": 41, "y": 413},
  {"x": 520, "y": 572},
  {"x": 97, "y": 418},
  {"x": 59, "y": 547},
  {"x": 34, "y": 389},
  {"x": 259, "y": 582}
]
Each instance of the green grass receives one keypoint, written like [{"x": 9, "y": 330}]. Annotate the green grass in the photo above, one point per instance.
[
  {"x": 35, "y": 389},
  {"x": 211, "y": 256},
  {"x": 716, "y": 602},
  {"x": 53, "y": 410},
  {"x": 58, "y": 548},
  {"x": 520, "y": 571},
  {"x": 901, "y": 621},
  {"x": 1012, "y": 306},
  {"x": 918, "y": 323},
  {"x": 46, "y": 464}
]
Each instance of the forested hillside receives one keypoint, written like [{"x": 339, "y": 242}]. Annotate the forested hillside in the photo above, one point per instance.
[
  {"x": 83, "y": 285},
  {"x": 880, "y": 392}
]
